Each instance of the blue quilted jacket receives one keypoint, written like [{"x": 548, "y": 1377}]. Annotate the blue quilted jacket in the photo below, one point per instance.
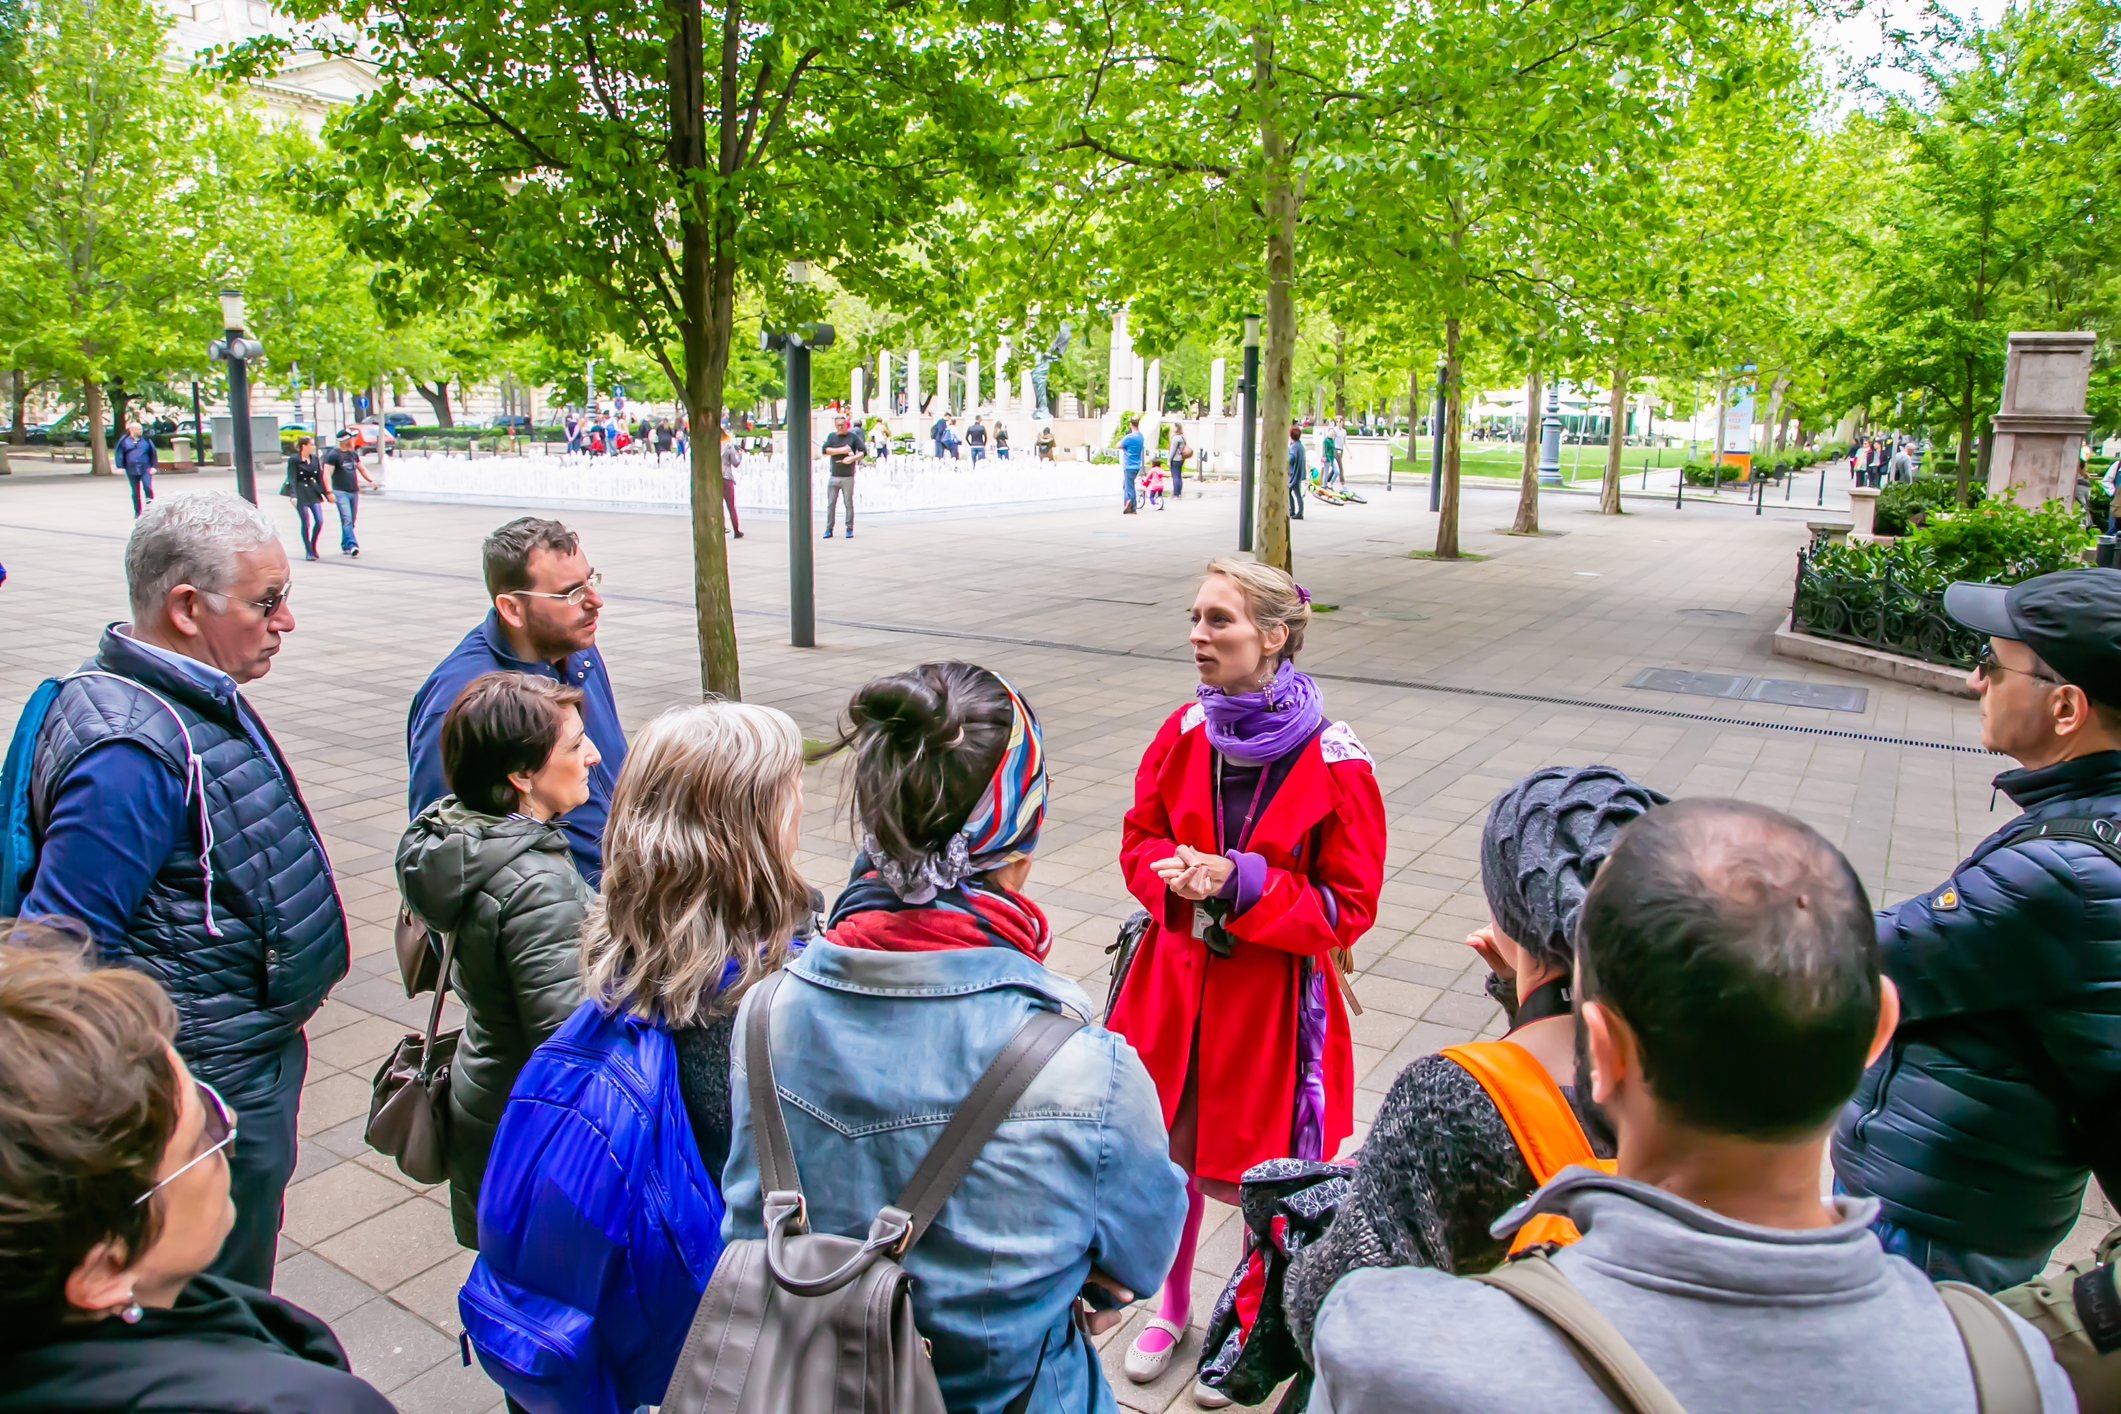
[
  {"x": 599, "y": 1224},
  {"x": 1978, "y": 1125}
]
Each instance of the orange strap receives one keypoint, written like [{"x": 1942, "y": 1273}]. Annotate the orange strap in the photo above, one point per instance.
[{"x": 1540, "y": 1120}]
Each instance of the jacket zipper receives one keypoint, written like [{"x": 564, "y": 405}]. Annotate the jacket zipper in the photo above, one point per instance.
[{"x": 1892, "y": 1067}]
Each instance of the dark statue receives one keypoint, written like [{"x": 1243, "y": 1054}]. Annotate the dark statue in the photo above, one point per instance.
[{"x": 1039, "y": 393}]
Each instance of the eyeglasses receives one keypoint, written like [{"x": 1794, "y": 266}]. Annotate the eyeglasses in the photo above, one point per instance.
[
  {"x": 1988, "y": 665},
  {"x": 220, "y": 1132},
  {"x": 268, "y": 606},
  {"x": 572, "y": 598}
]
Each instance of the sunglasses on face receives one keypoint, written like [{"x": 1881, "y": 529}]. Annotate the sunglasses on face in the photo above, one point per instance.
[
  {"x": 1989, "y": 666},
  {"x": 220, "y": 1132}
]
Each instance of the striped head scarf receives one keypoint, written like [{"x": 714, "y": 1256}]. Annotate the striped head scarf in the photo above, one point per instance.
[{"x": 1004, "y": 822}]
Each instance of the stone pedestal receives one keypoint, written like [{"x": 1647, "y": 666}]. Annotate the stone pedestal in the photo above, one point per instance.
[
  {"x": 2041, "y": 423},
  {"x": 1863, "y": 506}
]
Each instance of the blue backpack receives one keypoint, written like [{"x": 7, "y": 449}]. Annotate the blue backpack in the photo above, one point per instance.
[
  {"x": 599, "y": 1224},
  {"x": 18, "y": 843}
]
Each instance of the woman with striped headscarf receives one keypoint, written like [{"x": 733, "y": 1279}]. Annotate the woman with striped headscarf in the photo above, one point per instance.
[{"x": 932, "y": 960}]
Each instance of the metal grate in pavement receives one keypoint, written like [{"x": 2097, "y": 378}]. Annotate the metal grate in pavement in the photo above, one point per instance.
[{"x": 1693, "y": 684}]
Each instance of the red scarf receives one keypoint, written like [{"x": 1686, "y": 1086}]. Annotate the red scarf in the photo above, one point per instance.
[{"x": 972, "y": 915}]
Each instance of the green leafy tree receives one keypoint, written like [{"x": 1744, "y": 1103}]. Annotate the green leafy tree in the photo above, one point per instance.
[{"x": 645, "y": 161}]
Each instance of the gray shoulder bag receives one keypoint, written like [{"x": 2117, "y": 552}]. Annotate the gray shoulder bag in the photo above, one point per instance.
[
  {"x": 408, "y": 1109},
  {"x": 2004, "y": 1382},
  {"x": 799, "y": 1322}
]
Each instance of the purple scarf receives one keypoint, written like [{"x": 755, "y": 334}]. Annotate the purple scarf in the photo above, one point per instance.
[{"x": 1256, "y": 727}]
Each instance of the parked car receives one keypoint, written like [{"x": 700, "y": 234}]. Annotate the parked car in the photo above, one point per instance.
[
  {"x": 366, "y": 431},
  {"x": 399, "y": 419},
  {"x": 516, "y": 423}
]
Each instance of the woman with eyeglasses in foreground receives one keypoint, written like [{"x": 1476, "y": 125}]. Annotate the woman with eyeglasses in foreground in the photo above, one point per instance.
[{"x": 113, "y": 1200}]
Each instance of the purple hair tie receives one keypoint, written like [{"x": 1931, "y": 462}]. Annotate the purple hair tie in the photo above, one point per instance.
[{"x": 1303, "y": 595}]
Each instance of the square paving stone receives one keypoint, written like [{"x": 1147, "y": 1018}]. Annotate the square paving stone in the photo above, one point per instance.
[
  {"x": 388, "y": 1345},
  {"x": 395, "y": 1245}
]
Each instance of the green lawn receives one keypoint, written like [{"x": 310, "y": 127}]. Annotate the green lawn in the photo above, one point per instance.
[{"x": 1578, "y": 463}]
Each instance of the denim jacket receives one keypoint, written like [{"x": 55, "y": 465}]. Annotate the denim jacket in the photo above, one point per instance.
[{"x": 872, "y": 1054}]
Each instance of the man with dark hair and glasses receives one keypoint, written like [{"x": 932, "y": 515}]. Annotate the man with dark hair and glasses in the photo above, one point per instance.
[
  {"x": 1978, "y": 1126},
  {"x": 543, "y": 622},
  {"x": 168, "y": 821}
]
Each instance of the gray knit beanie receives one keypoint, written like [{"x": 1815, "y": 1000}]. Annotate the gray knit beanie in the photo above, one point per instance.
[{"x": 1545, "y": 838}]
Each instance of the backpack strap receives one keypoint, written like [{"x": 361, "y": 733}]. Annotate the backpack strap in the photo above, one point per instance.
[
  {"x": 1626, "y": 1379},
  {"x": 1540, "y": 1120},
  {"x": 2004, "y": 1382},
  {"x": 2097, "y": 831}
]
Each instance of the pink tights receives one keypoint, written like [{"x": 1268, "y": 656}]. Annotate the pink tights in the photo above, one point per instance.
[{"x": 1175, "y": 1302}]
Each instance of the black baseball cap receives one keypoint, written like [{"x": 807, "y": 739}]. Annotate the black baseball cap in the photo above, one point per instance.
[{"x": 2071, "y": 618}]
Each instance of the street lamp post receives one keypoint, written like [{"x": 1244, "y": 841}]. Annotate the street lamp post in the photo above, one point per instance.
[
  {"x": 1248, "y": 444},
  {"x": 236, "y": 351},
  {"x": 1443, "y": 372},
  {"x": 796, "y": 346},
  {"x": 1550, "y": 439}
]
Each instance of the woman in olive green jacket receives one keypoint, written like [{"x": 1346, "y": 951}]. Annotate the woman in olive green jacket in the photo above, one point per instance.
[{"x": 487, "y": 866}]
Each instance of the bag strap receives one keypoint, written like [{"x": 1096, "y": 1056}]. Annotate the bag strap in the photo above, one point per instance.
[
  {"x": 2004, "y": 1382},
  {"x": 1547, "y": 1131},
  {"x": 2097, "y": 831},
  {"x": 769, "y": 1129},
  {"x": 1628, "y": 1381},
  {"x": 434, "y": 1014},
  {"x": 993, "y": 1096}
]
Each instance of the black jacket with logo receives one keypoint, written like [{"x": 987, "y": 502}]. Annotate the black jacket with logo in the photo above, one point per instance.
[{"x": 1980, "y": 1123}]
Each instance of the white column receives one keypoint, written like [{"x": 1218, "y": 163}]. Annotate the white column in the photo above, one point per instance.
[
  {"x": 1215, "y": 387},
  {"x": 883, "y": 383},
  {"x": 913, "y": 383},
  {"x": 858, "y": 405},
  {"x": 971, "y": 381},
  {"x": 1001, "y": 377},
  {"x": 942, "y": 386},
  {"x": 1126, "y": 387}
]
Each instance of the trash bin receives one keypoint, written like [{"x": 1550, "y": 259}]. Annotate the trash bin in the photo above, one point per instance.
[{"x": 2108, "y": 554}]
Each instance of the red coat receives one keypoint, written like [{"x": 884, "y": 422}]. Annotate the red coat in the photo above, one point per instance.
[{"x": 1325, "y": 824}]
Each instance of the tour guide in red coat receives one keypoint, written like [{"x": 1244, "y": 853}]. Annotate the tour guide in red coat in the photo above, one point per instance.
[{"x": 1257, "y": 843}]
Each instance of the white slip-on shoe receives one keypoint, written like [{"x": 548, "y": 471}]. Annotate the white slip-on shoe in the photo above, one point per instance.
[
  {"x": 1206, "y": 1398},
  {"x": 1143, "y": 1366}
]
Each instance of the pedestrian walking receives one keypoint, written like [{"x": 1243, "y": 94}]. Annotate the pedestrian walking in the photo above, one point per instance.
[
  {"x": 1180, "y": 451},
  {"x": 574, "y": 434},
  {"x": 933, "y": 959},
  {"x": 1043, "y": 444},
  {"x": 1727, "y": 976},
  {"x": 1296, "y": 472},
  {"x": 1154, "y": 481},
  {"x": 1256, "y": 842},
  {"x": 843, "y": 457},
  {"x": 115, "y": 1176},
  {"x": 937, "y": 433},
  {"x": 487, "y": 867},
  {"x": 703, "y": 899},
  {"x": 169, "y": 822},
  {"x": 1903, "y": 465},
  {"x": 304, "y": 485},
  {"x": 135, "y": 455},
  {"x": 951, "y": 441},
  {"x": 732, "y": 461},
  {"x": 347, "y": 474},
  {"x": 976, "y": 439},
  {"x": 1130, "y": 462},
  {"x": 1977, "y": 1130},
  {"x": 1001, "y": 440},
  {"x": 664, "y": 438},
  {"x": 543, "y": 622}
]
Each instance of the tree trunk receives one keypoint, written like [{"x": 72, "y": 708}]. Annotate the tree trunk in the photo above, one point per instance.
[
  {"x": 1447, "y": 518},
  {"x": 1340, "y": 374},
  {"x": 1616, "y": 409},
  {"x": 1413, "y": 419},
  {"x": 1966, "y": 434},
  {"x": 707, "y": 252},
  {"x": 18, "y": 428},
  {"x": 437, "y": 399},
  {"x": 1776, "y": 387},
  {"x": 1280, "y": 352},
  {"x": 1527, "y": 522},
  {"x": 118, "y": 402},
  {"x": 98, "y": 448}
]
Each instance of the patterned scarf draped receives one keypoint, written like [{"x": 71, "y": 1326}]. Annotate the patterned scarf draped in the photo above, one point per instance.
[
  {"x": 970, "y": 914},
  {"x": 1004, "y": 821}
]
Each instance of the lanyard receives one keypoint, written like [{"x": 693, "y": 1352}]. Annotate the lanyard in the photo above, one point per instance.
[{"x": 1244, "y": 831}]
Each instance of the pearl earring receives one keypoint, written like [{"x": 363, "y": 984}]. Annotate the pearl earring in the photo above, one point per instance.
[{"x": 130, "y": 1313}]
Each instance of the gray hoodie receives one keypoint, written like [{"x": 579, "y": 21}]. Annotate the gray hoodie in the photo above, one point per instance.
[{"x": 1735, "y": 1319}]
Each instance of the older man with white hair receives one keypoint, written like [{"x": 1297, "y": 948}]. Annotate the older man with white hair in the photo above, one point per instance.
[{"x": 168, "y": 821}]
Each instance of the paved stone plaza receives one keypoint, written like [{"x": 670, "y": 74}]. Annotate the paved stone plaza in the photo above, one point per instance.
[{"x": 1449, "y": 672}]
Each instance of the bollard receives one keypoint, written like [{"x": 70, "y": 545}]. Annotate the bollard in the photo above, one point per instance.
[
  {"x": 1679, "y": 496},
  {"x": 1759, "y": 495}
]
